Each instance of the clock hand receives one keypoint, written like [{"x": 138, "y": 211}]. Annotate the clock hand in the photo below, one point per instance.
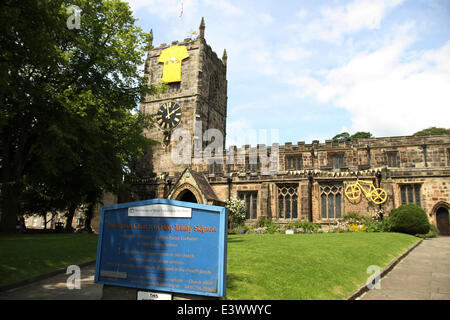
[
  {"x": 167, "y": 108},
  {"x": 169, "y": 114}
]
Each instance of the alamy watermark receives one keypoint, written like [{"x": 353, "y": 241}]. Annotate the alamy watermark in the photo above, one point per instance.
[
  {"x": 74, "y": 280},
  {"x": 188, "y": 149},
  {"x": 374, "y": 281},
  {"x": 74, "y": 20}
]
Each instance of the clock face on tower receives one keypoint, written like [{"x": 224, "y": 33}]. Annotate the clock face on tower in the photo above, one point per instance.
[{"x": 168, "y": 115}]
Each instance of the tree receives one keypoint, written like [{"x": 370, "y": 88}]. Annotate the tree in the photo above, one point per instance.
[
  {"x": 432, "y": 131},
  {"x": 67, "y": 119},
  {"x": 344, "y": 136},
  {"x": 361, "y": 135},
  {"x": 24, "y": 62}
]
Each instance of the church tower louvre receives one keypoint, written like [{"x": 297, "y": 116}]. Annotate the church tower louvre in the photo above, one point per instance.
[{"x": 196, "y": 99}]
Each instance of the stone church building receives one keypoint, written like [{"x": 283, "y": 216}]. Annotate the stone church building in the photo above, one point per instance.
[{"x": 287, "y": 182}]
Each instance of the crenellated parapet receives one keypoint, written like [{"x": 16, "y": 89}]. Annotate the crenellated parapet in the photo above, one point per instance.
[{"x": 332, "y": 158}]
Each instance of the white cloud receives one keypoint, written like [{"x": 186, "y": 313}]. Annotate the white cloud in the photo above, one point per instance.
[
  {"x": 267, "y": 60},
  {"x": 335, "y": 22},
  {"x": 265, "y": 18},
  {"x": 170, "y": 9},
  {"x": 240, "y": 132},
  {"x": 290, "y": 54},
  {"x": 225, "y": 6},
  {"x": 390, "y": 91},
  {"x": 302, "y": 14},
  {"x": 164, "y": 8},
  {"x": 262, "y": 60}
]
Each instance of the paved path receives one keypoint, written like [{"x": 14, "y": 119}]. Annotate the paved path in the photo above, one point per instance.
[
  {"x": 55, "y": 288},
  {"x": 424, "y": 274}
]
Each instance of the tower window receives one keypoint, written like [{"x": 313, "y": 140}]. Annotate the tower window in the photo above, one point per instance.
[{"x": 174, "y": 87}]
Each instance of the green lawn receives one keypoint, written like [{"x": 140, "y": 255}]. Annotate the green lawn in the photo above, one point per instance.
[
  {"x": 307, "y": 266},
  {"x": 267, "y": 266},
  {"x": 25, "y": 256}
]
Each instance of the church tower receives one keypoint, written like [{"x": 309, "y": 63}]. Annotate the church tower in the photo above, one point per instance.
[{"x": 195, "y": 101}]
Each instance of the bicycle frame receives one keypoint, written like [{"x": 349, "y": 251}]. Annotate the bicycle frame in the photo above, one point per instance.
[
  {"x": 376, "y": 195},
  {"x": 369, "y": 183}
]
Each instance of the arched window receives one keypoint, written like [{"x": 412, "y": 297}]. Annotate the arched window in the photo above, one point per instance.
[
  {"x": 288, "y": 201},
  {"x": 331, "y": 200}
]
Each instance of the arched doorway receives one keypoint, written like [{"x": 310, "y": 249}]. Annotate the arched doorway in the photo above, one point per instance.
[
  {"x": 187, "y": 196},
  {"x": 442, "y": 221}
]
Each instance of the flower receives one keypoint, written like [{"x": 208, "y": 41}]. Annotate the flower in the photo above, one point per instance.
[{"x": 356, "y": 227}]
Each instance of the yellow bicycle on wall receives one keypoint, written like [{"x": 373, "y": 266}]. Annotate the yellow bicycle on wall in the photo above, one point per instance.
[{"x": 377, "y": 195}]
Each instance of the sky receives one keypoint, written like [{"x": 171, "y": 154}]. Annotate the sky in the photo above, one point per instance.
[{"x": 307, "y": 70}]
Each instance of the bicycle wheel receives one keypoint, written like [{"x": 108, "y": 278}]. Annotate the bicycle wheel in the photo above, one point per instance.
[
  {"x": 352, "y": 191},
  {"x": 378, "y": 196}
]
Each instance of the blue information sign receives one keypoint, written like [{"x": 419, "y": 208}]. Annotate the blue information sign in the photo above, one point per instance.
[{"x": 163, "y": 245}]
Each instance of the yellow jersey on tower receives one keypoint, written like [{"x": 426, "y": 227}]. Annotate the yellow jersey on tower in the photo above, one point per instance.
[{"x": 172, "y": 58}]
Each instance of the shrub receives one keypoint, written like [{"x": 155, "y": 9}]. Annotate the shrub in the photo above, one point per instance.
[
  {"x": 433, "y": 233},
  {"x": 236, "y": 212},
  {"x": 272, "y": 228},
  {"x": 374, "y": 225},
  {"x": 264, "y": 222},
  {"x": 288, "y": 226},
  {"x": 353, "y": 217},
  {"x": 241, "y": 229},
  {"x": 307, "y": 225},
  {"x": 410, "y": 219},
  {"x": 265, "y": 225},
  {"x": 377, "y": 226}
]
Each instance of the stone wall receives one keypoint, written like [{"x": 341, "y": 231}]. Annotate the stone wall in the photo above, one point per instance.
[
  {"x": 432, "y": 175},
  {"x": 408, "y": 151}
]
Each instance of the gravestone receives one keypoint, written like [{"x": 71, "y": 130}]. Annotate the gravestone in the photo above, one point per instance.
[{"x": 162, "y": 249}]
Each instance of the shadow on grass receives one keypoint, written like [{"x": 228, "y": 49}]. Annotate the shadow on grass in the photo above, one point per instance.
[
  {"x": 233, "y": 239},
  {"x": 234, "y": 280}
]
